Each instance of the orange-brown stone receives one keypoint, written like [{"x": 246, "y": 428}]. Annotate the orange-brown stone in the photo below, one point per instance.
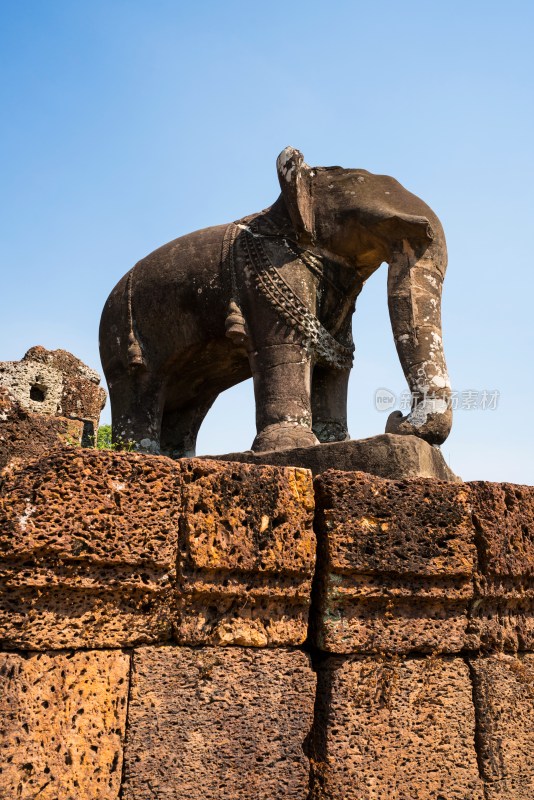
[
  {"x": 421, "y": 565},
  {"x": 503, "y": 614},
  {"x": 62, "y": 725},
  {"x": 107, "y": 549},
  {"x": 395, "y": 730},
  {"x": 504, "y": 700},
  {"x": 247, "y": 554},
  {"x": 217, "y": 723},
  {"x": 396, "y": 564},
  {"x": 88, "y": 545}
]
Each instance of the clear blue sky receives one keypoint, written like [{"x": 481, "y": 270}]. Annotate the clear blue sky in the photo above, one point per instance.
[{"x": 127, "y": 123}]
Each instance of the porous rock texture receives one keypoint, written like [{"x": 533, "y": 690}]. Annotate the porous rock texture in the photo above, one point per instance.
[
  {"x": 395, "y": 730},
  {"x": 424, "y": 566},
  {"x": 396, "y": 566},
  {"x": 216, "y": 723},
  {"x": 54, "y": 382},
  {"x": 504, "y": 702},
  {"x": 246, "y": 554},
  {"x": 503, "y": 613},
  {"x": 24, "y": 436},
  {"x": 62, "y": 724},
  {"x": 110, "y": 549},
  {"x": 421, "y": 627},
  {"x": 88, "y": 544},
  {"x": 47, "y": 399}
]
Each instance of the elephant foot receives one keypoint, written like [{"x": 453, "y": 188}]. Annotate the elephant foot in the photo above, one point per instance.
[
  {"x": 331, "y": 431},
  {"x": 283, "y": 436}
]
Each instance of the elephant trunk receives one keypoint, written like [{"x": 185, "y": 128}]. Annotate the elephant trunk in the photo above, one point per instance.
[{"x": 415, "y": 283}]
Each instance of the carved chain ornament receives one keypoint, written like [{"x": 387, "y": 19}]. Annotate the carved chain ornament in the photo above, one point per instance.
[{"x": 279, "y": 294}]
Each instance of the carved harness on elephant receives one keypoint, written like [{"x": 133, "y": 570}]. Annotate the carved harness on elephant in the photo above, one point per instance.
[
  {"x": 279, "y": 294},
  {"x": 134, "y": 354}
]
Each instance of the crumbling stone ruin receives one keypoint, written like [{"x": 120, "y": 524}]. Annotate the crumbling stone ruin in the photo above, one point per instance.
[
  {"x": 207, "y": 629},
  {"x": 47, "y": 398}
]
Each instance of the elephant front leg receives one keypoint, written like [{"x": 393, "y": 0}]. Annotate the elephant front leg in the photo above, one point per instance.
[
  {"x": 329, "y": 404},
  {"x": 282, "y": 384}
]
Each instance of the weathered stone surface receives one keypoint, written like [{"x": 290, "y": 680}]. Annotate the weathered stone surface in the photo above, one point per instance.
[
  {"x": 107, "y": 549},
  {"x": 25, "y": 436},
  {"x": 81, "y": 395},
  {"x": 247, "y": 554},
  {"x": 101, "y": 549},
  {"x": 56, "y": 383},
  {"x": 503, "y": 514},
  {"x": 504, "y": 700},
  {"x": 395, "y": 730},
  {"x": 88, "y": 549},
  {"x": 216, "y": 723},
  {"x": 396, "y": 563},
  {"x": 388, "y": 456},
  {"x": 424, "y": 565},
  {"x": 62, "y": 725}
]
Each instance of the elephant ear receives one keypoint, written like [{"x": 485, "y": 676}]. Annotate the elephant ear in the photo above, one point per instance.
[{"x": 295, "y": 178}]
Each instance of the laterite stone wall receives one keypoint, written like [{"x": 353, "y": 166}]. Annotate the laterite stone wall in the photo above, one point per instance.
[{"x": 202, "y": 629}]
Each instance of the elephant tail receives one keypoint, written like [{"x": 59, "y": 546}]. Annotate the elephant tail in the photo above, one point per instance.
[{"x": 135, "y": 357}]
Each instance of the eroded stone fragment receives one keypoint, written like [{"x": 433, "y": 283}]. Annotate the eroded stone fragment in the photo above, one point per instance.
[
  {"x": 62, "y": 725},
  {"x": 216, "y": 723},
  {"x": 504, "y": 698},
  {"x": 247, "y": 554},
  {"x": 88, "y": 548},
  {"x": 395, "y": 730},
  {"x": 396, "y": 561},
  {"x": 55, "y": 382},
  {"x": 47, "y": 399},
  {"x": 25, "y": 435}
]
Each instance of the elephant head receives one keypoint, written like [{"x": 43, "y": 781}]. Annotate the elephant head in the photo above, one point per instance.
[{"x": 361, "y": 220}]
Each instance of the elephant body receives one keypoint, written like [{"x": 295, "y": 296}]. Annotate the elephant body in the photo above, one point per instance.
[{"x": 272, "y": 296}]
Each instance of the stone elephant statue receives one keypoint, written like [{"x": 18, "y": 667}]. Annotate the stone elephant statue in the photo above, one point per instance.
[{"x": 272, "y": 296}]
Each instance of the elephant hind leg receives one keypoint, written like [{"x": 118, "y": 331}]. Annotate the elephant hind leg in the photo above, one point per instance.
[
  {"x": 179, "y": 428},
  {"x": 136, "y": 409}
]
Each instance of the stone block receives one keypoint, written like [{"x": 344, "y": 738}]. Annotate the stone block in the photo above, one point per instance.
[
  {"x": 107, "y": 549},
  {"x": 25, "y": 436},
  {"x": 56, "y": 383},
  {"x": 394, "y": 730},
  {"x": 216, "y": 723},
  {"x": 396, "y": 564},
  {"x": 504, "y": 516},
  {"x": 504, "y": 699},
  {"x": 503, "y": 615},
  {"x": 88, "y": 549},
  {"x": 62, "y": 725},
  {"x": 247, "y": 554},
  {"x": 388, "y": 456}
]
